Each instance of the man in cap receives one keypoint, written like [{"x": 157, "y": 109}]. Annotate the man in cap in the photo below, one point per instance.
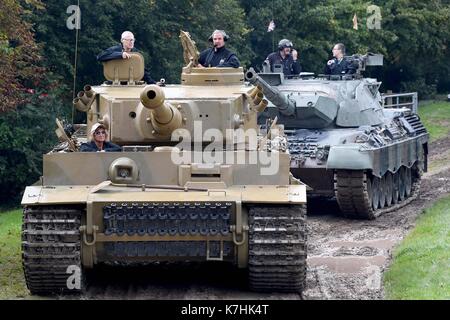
[
  {"x": 122, "y": 51},
  {"x": 218, "y": 55},
  {"x": 287, "y": 57},
  {"x": 98, "y": 140}
]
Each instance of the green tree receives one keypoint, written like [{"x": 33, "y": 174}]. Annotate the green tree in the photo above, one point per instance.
[
  {"x": 156, "y": 25},
  {"x": 414, "y": 36},
  {"x": 26, "y": 133},
  {"x": 29, "y": 101},
  {"x": 418, "y": 52},
  {"x": 19, "y": 53}
]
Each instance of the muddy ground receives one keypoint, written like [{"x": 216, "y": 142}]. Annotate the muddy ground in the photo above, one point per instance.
[{"x": 346, "y": 258}]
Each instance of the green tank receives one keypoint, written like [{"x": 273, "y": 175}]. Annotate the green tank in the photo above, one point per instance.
[
  {"x": 195, "y": 181},
  {"x": 344, "y": 142}
]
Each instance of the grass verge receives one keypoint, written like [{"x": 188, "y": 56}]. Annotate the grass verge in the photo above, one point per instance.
[
  {"x": 436, "y": 118},
  {"x": 12, "y": 282},
  {"x": 421, "y": 264}
]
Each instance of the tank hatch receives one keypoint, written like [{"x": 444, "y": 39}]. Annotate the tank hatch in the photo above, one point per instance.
[{"x": 212, "y": 76}]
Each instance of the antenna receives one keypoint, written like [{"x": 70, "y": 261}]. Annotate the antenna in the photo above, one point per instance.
[{"x": 75, "y": 68}]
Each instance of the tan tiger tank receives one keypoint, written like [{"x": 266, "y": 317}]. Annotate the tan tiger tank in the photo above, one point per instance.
[{"x": 195, "y": 181}]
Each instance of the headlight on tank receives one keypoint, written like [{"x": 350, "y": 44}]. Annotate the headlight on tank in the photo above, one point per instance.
[
  {"x": 124, "y": 171},
  {"x": 322, "y": 153}
]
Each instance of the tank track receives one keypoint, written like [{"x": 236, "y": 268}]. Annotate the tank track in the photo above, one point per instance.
[
  {"x": 352, "y": 194},
  {"x": 277, "y": 248},
  {"x": 51, "y": 243}
]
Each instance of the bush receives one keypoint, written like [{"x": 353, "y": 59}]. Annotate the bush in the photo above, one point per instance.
[
  {"x": 25, "y": 134},
  {"x": 424, "y": 90}
]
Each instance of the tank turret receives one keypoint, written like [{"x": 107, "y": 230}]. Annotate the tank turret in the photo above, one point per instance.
[
  {"x": 139, "y": 114},
  {"x": 291, "y": 107}
]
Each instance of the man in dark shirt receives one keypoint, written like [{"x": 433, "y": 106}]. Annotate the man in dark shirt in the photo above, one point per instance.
[
  {"x": 218, "y": 55},
  {"x": 122, "y": 51},
  {"x": 287, "y": 57},
  {"x": 338, "y": 65}
]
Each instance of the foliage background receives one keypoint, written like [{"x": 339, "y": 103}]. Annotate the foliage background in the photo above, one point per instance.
[{"x": 37, "y": 53}]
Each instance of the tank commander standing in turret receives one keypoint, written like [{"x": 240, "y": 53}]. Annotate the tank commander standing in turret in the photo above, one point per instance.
[
  {"x": 338, "y": 65},
  {"x": 287, "y": 57},
  {"x": 98, "y": 141},
  {"x": 218, "y": 55},
  {"x": 122, "y": 51}
]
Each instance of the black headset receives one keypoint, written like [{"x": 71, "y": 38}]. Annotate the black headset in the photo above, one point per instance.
[{"x": 222, "y": 32}]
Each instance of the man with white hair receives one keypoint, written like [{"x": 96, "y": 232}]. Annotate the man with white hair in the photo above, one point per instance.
[
  {"x": 122, "y": 51},
  {"x": 218, "y": 55}
]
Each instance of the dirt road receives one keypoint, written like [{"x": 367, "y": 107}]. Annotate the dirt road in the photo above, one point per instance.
[{"x": 346, "y": 258}]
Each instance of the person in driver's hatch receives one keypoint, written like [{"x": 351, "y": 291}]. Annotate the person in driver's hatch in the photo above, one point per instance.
[{"x": 97, "y": 141}]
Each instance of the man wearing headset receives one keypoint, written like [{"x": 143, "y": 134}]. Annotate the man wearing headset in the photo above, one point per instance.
[
  {"x": 122, "y": 51},
  {"x": 218, "y": 55},
  {"x": 287, "y": 57}
]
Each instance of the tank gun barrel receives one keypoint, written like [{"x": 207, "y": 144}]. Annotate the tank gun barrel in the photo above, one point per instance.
[
  {"x": 284, "y": 104},
  {"x": 165, "y": 118}
]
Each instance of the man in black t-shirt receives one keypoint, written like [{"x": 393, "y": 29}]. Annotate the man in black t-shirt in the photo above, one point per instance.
[{"x": 218, "y": 55}]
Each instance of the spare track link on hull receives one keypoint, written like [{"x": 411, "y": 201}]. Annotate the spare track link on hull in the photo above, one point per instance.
[
  {"x": 277, "y": 248},
  {"x": 51, "y": 244},
  {"x": 351, "y": 192}
]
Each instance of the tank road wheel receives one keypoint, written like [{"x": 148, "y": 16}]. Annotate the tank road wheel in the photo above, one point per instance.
[
  {"x": 408, "y": 182},
  {"x": 396, "y": 187},
  {"x": 277, "y": 248},
  {"x": 402, "y": 186},
  {"x": 389, "y": 188},
  {"x": 376, "y": 191},
  {"x": 51, "y": 246},
  {"x": 361, "y": 195},
  {"x": 382, "y": 191}
]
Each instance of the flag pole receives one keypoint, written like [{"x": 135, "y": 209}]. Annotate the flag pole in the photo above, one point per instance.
[
  {"x": 273, "y": 31},
  {"x": 273, "y": 41}
]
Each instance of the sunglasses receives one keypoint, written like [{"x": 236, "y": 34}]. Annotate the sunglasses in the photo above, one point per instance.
[{"x": 97, "y": 133}]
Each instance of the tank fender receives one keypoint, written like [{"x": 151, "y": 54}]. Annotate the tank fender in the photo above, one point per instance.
[{"x": 349, "y": 157}]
